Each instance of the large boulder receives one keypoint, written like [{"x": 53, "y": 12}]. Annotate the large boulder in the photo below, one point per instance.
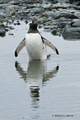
[
  {"x": 71, "y": 33},
  {"x": 75, "y": 23},
  {"x": 66, "y": 14}
]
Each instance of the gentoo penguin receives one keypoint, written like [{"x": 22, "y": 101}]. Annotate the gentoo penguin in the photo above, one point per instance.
[{"x": 35, "y": 43}]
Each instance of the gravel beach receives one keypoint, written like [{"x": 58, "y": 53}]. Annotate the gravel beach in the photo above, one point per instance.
[{"x": 57, "y": 16}]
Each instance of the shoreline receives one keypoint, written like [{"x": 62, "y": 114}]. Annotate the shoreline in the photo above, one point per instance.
[{"x": 58, "y": 18}]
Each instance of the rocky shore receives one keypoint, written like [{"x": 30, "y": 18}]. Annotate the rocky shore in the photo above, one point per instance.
[{"x": 57, "y": 16}]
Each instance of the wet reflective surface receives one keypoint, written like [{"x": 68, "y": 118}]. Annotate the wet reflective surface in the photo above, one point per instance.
[
  {"x": 48, "y": 90},
  {"x": 35, "y": 77}
]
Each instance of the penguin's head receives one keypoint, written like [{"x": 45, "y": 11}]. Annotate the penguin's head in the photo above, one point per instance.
[{"x": 33, "y": 25}]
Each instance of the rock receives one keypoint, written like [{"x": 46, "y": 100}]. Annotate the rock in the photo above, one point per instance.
[
  {"x": 71, "y": 33},
  {"x": 62, "y": 18},
  {"x": 62, "y": 23},
  {"x": 11, "y": 34},
  {"x": 46, "y": 27},
  {"x": 55, "y": 31},
  {"x": 49, "y": 14},
  {"x": 31, "y": 1},
  {"x": 65, "y": 6},
  {"x": 75, "y": 23},
  {"x": 61, "y": 1},
  {"x": 77, "y": 3},
  {"x": 2, "y": 15},
  {"x": 17, "y": 23},
  {"x": 37, "y": 10},
  {"x": 66, "y": 14},
  {"x": 41, "y": 21},
  {"x": 2, "y": 32},
  {"x": 15, "y": 2},
  {"x": 4, "y": 1},
  {"x": 60, "y": 5},
  {"x": 72, "y": 1},
  {"x": 24, "y": 12},
  {"x": 6, "y": 29},
  {"x": 47, "y": 6},
  {"x": 12, "y": 7},
  {"x": 11, "y": 28},
  {"x": 77, "y": 13},
  {"x": 26, "y": 21}
]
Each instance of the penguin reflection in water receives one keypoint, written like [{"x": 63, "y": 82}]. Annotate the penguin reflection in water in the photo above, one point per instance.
[
  {"x": 35, "y": 77},
  {"x": 35, "y": 44}
]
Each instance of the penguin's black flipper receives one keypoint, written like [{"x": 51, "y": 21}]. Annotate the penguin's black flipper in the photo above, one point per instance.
[
  {"x": 49, "y": 44},
  {"x": 20, "y": 70},
  {"x": 19, "y": 47}
]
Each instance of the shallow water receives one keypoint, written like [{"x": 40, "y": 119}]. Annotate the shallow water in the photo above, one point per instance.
[{"x": 43, "y": 90}]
